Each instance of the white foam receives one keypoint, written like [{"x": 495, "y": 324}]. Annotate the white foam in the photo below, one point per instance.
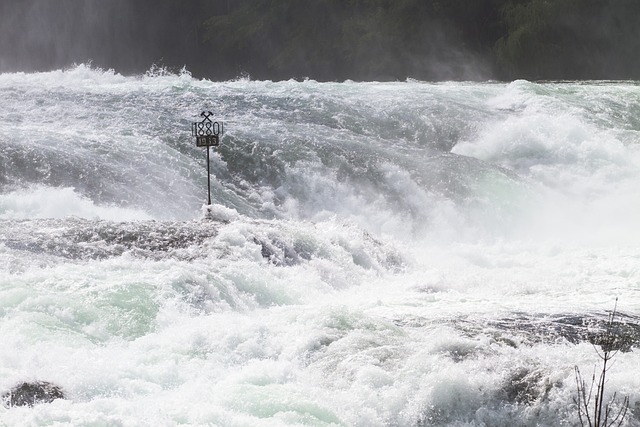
[
  {"x": 48, "y": 202},
  {"x": 369, "y": 292}
]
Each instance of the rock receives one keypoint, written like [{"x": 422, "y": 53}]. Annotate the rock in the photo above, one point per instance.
[
  {"x": 33, "y": 393},
  {"x": 278, "y": 252},
  {"x": 525, "y": 385}
]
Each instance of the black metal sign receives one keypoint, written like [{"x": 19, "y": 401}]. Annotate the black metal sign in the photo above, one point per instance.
[{"x": 207, "y": 132}]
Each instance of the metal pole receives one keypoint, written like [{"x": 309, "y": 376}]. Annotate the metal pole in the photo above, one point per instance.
[
  {"x": 207, "y": 134},
  {"x": 208, "y": 176}
]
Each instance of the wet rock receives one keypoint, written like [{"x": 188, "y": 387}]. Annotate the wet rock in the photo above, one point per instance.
[
  {"x": 526, "y": 386},
  {"x": 529, "y": 329},
  {"x": 77, "y": 238},
  {"x": 280, "y": 253},
  {"x": 32, "y": 393}
]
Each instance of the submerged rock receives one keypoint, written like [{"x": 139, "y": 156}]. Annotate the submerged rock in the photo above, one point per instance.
[
  {"x": 526, "y": 385},
  {"x": 279, "y": 252},
  {"x": 33, "y": 393},
  {"x": 77, "y": 238}
]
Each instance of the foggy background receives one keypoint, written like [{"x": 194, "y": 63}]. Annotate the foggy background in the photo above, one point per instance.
[
  {"x": 127, "y": 35},
  {"x": 328, "y": 39}
]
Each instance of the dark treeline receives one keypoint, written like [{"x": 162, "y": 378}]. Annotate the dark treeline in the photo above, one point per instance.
[{"x": 329, "y": 39}]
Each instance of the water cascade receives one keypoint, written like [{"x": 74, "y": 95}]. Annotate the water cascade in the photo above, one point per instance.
[{"x": 377, "y": 254}]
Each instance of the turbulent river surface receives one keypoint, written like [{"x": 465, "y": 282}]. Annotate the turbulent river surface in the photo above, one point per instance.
[{"x": 377, "y": 254}]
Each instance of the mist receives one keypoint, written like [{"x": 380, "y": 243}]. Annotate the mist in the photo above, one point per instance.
[
  {"x": 128, "y": 36},
  {"x": 328, "y": 40}
]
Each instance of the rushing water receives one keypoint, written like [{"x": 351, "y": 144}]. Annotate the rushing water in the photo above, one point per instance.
[{"x": 378, "y": 254}]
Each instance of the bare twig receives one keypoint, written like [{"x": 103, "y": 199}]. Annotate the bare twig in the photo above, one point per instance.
[{"x": 609, "y": 344}]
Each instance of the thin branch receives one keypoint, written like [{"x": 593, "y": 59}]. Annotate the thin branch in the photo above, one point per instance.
[{"x": 608, "y": 342}]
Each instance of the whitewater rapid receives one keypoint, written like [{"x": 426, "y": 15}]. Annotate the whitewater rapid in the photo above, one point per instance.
[{"x": 378, "y": 254}]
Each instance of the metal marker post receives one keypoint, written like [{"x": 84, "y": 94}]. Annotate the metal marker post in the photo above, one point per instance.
[{"x": 207, "y": 133}]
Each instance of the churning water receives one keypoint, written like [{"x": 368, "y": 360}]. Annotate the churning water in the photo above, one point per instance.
[{"x": 378, "y": 254}]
